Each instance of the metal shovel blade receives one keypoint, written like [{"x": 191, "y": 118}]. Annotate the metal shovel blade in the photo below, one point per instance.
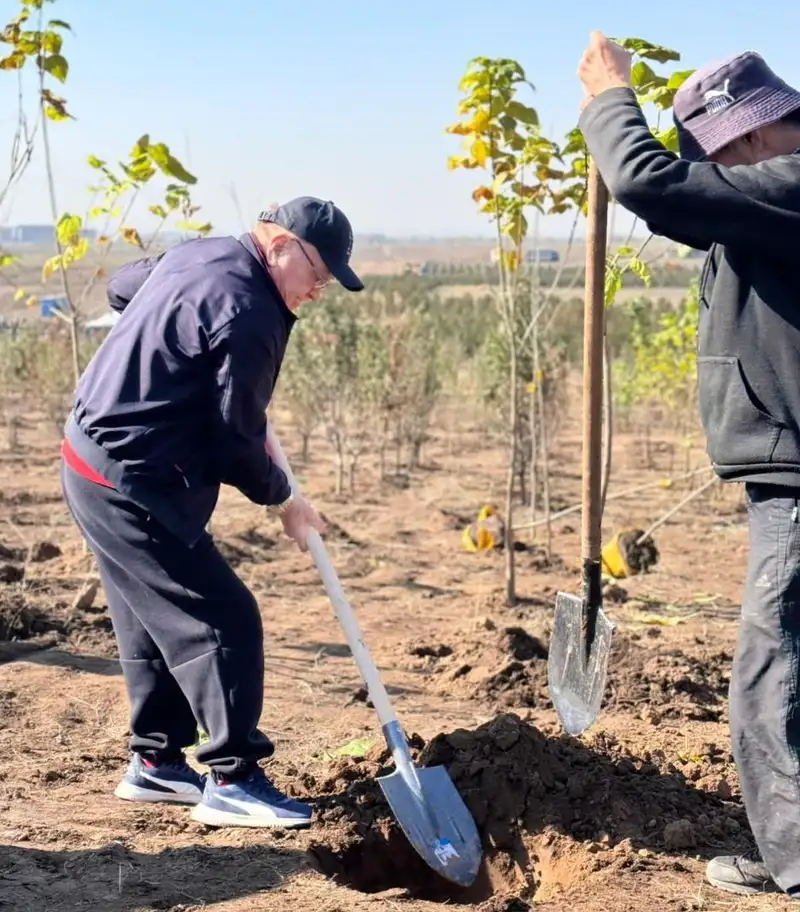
[
  {"x": 576, "y": 669},
  {"x": 438, "y": 825}
]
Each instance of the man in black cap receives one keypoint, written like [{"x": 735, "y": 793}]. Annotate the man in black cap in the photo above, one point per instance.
[
  {"x": 735, "y": 191},
  {"x": 172, "y": 406}
]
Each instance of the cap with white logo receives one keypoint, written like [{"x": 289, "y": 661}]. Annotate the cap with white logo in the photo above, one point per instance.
[
  {"x": 326, "y": 227},
  {"x": 727, "y": 99}
]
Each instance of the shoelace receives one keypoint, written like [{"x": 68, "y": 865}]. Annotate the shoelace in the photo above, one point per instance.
[{"x": 264, "y": 788}]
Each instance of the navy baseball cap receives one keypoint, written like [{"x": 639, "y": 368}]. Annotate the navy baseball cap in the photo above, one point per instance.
[
  {"x": 325, "y": 226},
  {"x": 726, "y": 100}
]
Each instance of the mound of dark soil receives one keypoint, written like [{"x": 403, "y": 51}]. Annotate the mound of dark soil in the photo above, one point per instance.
[
  {"x": 601, "y": 804},
  {"x": 668, "y": 682},
  {"x": 507, "y": 669}
]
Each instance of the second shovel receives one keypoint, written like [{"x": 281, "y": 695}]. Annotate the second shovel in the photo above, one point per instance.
[{"x": 580, "y": 643}]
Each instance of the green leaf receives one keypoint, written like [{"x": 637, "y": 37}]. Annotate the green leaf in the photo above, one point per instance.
[
  {"x": 158, "y": 210},
  {"x": 169, "y": 165},
  {"x": 669, "y": 138},
  {"x": 677, "y": 79},
  {"x": 95, "y": 162},
  {"x": 641, "y": 269},
  {"x": 51, "y": 43},
  {"x": 59, "y": 23},
  {"x": 523, "y": 113},
  {"x": 56, "y": 66},
  {"x": 357, "y": 748},
  {"x": 647, "y": 50},
  {"x": 643, "y": 78},
  {"x": 198, "y": 227}
]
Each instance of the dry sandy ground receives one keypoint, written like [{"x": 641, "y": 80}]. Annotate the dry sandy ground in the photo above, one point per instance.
[{"x": 620, "y": 819}]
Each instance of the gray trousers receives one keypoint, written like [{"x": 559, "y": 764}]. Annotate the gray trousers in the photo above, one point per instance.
[{"x": 765, "y": 683}]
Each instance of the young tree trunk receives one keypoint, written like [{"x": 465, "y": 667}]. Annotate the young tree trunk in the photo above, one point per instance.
[
  {"x": 513, "y": 438},
  {"x": 340, "y": 463}
]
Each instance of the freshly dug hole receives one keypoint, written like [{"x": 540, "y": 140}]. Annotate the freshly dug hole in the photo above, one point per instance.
[{"x": 528, "y": 793}]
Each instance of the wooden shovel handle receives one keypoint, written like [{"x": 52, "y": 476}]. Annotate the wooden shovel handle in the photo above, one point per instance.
[{"x": 593, "y": 329}]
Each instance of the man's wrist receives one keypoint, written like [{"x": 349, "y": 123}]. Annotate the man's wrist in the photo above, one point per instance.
[{"x": 280, "y": 509}]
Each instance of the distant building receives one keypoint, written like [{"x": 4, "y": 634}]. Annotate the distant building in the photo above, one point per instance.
[
  {"x": 542, "y": 255},
  {"x": 37, "y": 235}
]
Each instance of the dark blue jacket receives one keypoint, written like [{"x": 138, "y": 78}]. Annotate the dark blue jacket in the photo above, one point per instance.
[{"x": 173, "y": 403}]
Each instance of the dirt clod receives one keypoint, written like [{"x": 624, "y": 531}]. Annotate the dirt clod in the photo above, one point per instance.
[
  {"x": 21, "y": 621},
  {"x": 41, "y": 551}
]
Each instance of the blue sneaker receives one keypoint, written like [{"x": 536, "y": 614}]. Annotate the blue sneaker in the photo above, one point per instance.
[
  {"x": 175, "y": 782},
  {"x": 251, "y": 802}
]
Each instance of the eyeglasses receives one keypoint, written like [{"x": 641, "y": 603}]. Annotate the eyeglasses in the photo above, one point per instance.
[{"x": 320, "y": 282}]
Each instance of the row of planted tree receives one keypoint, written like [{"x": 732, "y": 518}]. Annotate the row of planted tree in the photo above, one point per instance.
[{"x": 369, "y": 372}]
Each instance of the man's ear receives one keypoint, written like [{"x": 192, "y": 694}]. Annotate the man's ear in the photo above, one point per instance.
[{"x": 278, "y": 242}]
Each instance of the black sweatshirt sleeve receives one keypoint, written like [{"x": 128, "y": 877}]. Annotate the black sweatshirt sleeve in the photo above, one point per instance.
[
  {"x": 243, "y": 389},
  {"x": 695, "y": 203}
]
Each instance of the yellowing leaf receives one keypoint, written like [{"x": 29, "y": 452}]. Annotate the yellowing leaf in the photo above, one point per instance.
[
  {"x": 480, "y": 122},
  {"x": 482, "y": 193},
  {"x": 19, "y": 294},
  {"x": 158, "y": 210},
  {"x": 68, "y": 229},
  {"x": 14, "y": 61},
  {"x": 32, "y": 301},
  {"x": 480, "y": 152},
  {"x": 131, "y": 236},
  {"x": 50, "y": 266},
  {"x": 510, "y": 260}
]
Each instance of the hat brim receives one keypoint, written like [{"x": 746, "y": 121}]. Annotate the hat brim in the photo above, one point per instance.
[
  {"x": 345, "y": 276},
  {"x": 713, "y": 132}
]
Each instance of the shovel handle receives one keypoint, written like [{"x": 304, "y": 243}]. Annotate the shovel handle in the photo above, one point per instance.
[
  {"x": 330, "y": 580},
  {"x": 594, "y": 320}
]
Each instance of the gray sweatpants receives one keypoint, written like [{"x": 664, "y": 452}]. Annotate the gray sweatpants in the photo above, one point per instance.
[{"x": 765, "y": 684}]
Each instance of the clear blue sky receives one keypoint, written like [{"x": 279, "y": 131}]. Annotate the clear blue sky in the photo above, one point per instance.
[{"x": 345, "y": 99}]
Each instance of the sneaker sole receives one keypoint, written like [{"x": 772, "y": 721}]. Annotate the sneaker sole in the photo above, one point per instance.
[
  {"x": 212, "y": 817},
  {"x": 741, "y": 889},
  {"x": 128, "y": 792}
]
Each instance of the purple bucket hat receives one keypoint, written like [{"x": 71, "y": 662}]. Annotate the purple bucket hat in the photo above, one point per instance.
[{"x": 727, "y": 99}]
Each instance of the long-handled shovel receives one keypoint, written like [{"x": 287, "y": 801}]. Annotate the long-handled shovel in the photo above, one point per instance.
[
  {"x": 424, "y": 801},
  {"x": 580, "y": 643}
]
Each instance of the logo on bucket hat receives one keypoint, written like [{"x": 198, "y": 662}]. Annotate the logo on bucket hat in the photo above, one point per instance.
[
  {"x": 321, "y": 223},
  {"x": 727, "y": 99}
]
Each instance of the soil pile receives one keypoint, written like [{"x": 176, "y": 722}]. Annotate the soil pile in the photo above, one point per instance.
[
  {"x": 668, "y": 683},
  {"x": 506, "y": 667},
  {"x": 536, "y": 801}
]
